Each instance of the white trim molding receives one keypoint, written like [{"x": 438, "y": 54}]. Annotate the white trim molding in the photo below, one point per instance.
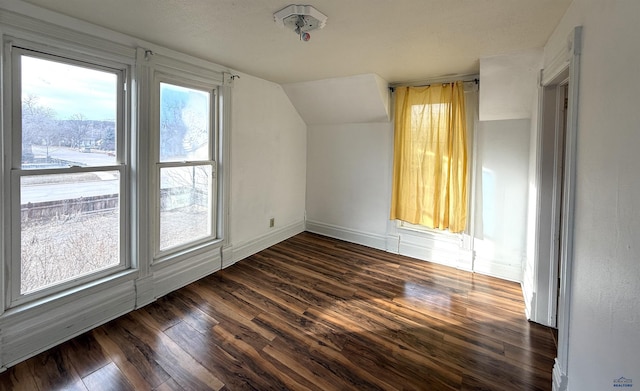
[
  {"x": 243, "y": 250},
  {"x": 26, "y": 332},
  {"x": 437, "y": 247},
  {"x": 572, "y": 60},
  {"x": 560, "y": 379},
  {"x": 442, "y": 248},
  {"x": 348, "y": 234},
  {"x": 179, "y": 274}
]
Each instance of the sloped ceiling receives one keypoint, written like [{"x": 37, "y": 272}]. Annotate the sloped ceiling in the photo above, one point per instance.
[
  {"x": 353, "y": 99},
  {"x": 400, "y": 40}
]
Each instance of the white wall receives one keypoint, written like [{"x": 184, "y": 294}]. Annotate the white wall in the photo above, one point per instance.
[
  {"x": 509, "y": 85},
  {"x": 268, "y": 166},
  {"x": 604, "y": 328},
  {"x": 502, "y": 162},
  {"x": 349, "y": 181},
  {"x": 508, "y": 92},
  {"x": 349, "y": 184}
]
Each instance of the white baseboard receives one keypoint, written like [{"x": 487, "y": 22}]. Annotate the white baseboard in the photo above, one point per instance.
[
  {"x": 243, "y": 250},
  {"x": 443, "y": 249},
  {"x": 393, "y": 244},
  {"x": 226, "y": 252},
  {"x": 348, "y": 235},
  {"x": 26, "y": 333},
  {"x": 495, "y": 268},
  {"x": 529, "y": 299},
  {"x": 442, "y": 254},
  {"x": 34, "y": 328},
  {"x": 498, "y": 261},
  {"x": 177, "y": 275},
  {"x": 144, "y": 291},
  {"x": 445, "y": 252},
  {"x": 560, "y": 380}
]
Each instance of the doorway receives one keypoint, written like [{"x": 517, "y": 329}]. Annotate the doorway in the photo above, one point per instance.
[
  {"x": 560, "y": 133},
  {"x": 561, "y": 78},
  {"x": 550, "y": 186}
]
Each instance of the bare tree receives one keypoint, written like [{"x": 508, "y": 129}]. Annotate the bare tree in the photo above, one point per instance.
[
  {"x": 172, "y": 126},
  {"x": 38, "y": 126},
  {"x": 78, "y": 128}
]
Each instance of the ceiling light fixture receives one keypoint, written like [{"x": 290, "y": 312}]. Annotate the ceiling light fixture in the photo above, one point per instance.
[{"x": 301, "y": 19}]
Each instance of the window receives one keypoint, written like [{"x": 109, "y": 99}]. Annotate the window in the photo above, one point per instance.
[
  {"x": 68, "y": 173},
  {"x": 112, "y": 190},
  {"x": 430, "y": 157},
  {"x": 186, "y": 165}
]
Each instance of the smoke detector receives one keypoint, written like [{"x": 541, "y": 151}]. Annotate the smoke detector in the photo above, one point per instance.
[{"x": 301, "y": 19}]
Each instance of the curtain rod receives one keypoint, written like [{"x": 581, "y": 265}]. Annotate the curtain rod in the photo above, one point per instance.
[{"x": 466, "y": 79}]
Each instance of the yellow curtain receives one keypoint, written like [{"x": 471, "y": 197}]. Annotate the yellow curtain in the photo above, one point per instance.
[{"x": 430, "y": 157}]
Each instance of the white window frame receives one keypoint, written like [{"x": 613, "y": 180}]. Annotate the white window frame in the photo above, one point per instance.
[
  {"x": 32, "y": 326},
  {"x": 14, "y": 48},
  {"x": 184, "y": 79}
]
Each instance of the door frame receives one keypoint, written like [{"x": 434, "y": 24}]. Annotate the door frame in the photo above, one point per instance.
[
  {"x": 559, "y": 190},
  {"x": 565, "y": 64}
]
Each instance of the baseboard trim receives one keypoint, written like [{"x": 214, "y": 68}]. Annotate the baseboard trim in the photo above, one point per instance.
[
  {"x": 560, "y": 380},
  {"x": 32, "y": 332},
  {"x": 348, "y": 235},
  {"x": 398, "y": 244},
  {"x": 144, "y": 291},
  {"x": 243, "y": 250},
  {"x": 529, "y": 299},
  {"x": 493, "y": 268},
  {"x": 177, "y": 275},
  {"x": 457, "y": 258},
  {"x": 226, "y": 252},
  {"x": 26, "y": 331}
]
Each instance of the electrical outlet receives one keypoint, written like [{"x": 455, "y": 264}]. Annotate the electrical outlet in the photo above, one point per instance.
[{"x": 272, "y": 222}]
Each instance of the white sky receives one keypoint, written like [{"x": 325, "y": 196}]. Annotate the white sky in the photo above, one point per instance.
[{"x": 70, "y": 89}]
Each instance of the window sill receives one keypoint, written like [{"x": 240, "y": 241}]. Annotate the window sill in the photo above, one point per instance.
[
  {"x": 72, "y": 294},
  {"x": 425, "y": 230},
  {"x": 182, "y": 254}
]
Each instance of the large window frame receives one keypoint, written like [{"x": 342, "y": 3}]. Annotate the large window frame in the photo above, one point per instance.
[
  {"x": 15, "y": 50},
  {"x": 184, "y": 80},
  {"x": 32, "y": 323}
]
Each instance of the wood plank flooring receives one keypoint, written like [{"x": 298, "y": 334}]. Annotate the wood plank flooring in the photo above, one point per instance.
[{"x": 311, "y": 313}]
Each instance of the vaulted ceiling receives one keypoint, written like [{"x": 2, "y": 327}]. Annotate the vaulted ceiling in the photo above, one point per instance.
[{"x": 399, "y": 40}]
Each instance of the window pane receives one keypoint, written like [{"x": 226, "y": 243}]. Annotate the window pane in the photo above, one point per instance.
[
  {"x": 185, "y": 205},
  {"x": 184, "y": 124},
  {"x": 68, "y": 115},
  {"x": 69, "y": 226}
]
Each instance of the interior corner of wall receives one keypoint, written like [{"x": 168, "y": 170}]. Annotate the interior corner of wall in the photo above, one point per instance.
[
  {"x": 226, "y": 256},
  {"x": 393, "y": 244},
  {"x": 385, "y": 95}
]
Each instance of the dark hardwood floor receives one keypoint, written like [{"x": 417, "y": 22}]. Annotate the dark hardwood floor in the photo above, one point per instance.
[{"x": 311, "y": 313}]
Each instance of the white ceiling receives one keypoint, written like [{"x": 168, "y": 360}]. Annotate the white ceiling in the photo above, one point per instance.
[{"x": 399, "y": 40}]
